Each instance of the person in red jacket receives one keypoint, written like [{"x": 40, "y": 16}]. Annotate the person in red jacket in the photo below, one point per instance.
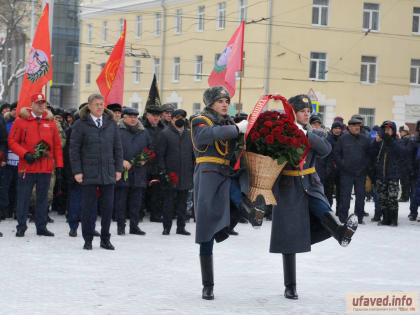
[{"x": 35, "y": 128}]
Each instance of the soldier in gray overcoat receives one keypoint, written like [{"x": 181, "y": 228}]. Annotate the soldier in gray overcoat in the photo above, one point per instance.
[
  {"x": 303, "y": 216},
  {"x": 214, "y": 137}
]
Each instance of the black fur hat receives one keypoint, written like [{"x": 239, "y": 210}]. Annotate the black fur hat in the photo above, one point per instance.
[
  {"x": 300, "y": 102},
  {"x": 115, "y": 107},
  {"x": 211, "y": 95}
]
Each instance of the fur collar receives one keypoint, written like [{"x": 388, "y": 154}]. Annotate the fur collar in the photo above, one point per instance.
[
  {"x": 25, "y": 113},
  {"x": 122, "y": 125},
  {"x": 84, "y": 113},
  {"x": 216, "y": 117}
]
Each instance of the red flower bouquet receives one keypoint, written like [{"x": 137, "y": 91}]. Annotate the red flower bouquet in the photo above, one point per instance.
[
  {"x": 273, "y": 139},
  {"x": 172, "y": 178},
  {"x": 140, "y": 159}
]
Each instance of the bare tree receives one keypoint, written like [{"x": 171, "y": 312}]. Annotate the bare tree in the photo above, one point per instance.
[{"x": 14, "y": 21}]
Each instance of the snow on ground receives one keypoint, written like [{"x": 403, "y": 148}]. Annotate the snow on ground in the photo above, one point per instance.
[{"x": 156, "y": 274}]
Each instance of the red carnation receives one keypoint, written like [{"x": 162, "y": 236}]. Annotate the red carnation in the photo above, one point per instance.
[
  {"x": 173, "y": 178},
  {"x": 264, "y": 131},
  {"x": 269, "y": 139},
  {"x": 269, "y": 124},
  {"x": 255, "y": 136}
]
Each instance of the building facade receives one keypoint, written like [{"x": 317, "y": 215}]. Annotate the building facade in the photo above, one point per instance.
[{"x": 351, "y": 56}]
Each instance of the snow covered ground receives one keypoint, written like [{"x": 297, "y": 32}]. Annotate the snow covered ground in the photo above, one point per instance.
[{"x": 156, "y": 274}]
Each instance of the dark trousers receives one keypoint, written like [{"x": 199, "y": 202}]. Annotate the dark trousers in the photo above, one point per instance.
[
  {"x": 331, "y": 182},
  {"x": 174, "y": 200},
  {"x": 25, "y": 185},
  {"x": 106, "y": 202},
  {"x": 413, "y": 203},
  {"x": 346, "y": 186},
  {"x": 405, "y": 187},
  {"x": 8, "y": 189},
  {"x": 128, "y": 198},
  {"x": 378, "y": 211},
  {"x": 75, "y": 207},
  {"x": 318, "y": 207},
  {"x": 154, "y": 200}
]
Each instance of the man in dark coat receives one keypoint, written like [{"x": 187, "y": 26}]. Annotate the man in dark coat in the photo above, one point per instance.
[
  {"x": 167, "y": 110},
  {"x": 96, "y": 162},
  {"x": 116, "y": 110},
  {"x": 351, "y": 154},
  {"x": 405, "y": 176},
  {"x": 129, "y": 191},
  {"x": 303, "y": 216},
  {"x": 3, "y": 156},
  {"x": 152, "y": 123},
  {"x": 332, "y": 181},
  {"x": 414, "y": 171},
  {"x": 389, "y": 151},
  {"x": 175, "y": 154}
]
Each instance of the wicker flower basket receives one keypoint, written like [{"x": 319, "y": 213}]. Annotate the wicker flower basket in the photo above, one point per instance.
[{"x": 263, "y": 172}]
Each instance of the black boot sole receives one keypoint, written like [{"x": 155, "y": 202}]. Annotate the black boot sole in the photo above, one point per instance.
[{"x": 350, "y": 228}]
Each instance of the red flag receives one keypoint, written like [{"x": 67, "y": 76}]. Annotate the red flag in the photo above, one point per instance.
[
  {"x": 111, "y": 80},
  {"x": 229, "y": 62},
  {"x": 38, "y": 71}
]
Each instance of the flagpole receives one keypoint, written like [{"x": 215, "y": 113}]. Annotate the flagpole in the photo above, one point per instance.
[{"x": 240, "y": 93}]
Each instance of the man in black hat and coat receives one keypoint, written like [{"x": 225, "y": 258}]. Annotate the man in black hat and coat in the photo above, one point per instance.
[
  {"x": 175, "y": 154},
  {"x": 117, "y": 110}
]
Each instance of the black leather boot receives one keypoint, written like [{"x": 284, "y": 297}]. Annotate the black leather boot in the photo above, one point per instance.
[
  {"x": 341, "y": 232},
  {"x": 289, "y": 273},
  {"x": 394, "y": 217},
  {"x": 253, "y": 211},
  {"x": 386, "y": 220},
  {"x": 207, "y": 276}
]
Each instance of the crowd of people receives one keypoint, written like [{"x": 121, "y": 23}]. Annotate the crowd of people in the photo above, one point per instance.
[{"x": 89, "y": 150}]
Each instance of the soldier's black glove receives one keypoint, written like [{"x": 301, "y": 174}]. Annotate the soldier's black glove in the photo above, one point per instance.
[
  {"x": 29, "y": 158},
  {"x": 162, "y": 176}
]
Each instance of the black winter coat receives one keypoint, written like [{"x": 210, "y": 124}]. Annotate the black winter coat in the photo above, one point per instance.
[
  {"x": 175, "y": 154},
  {"x": 153, "y": 166},
  {"x": 389, "y": 155},
  {"x": 3, "y": 140},
  {"x": 133, "y": 143},
  {"x": 351, "y": 154},
  {"x": 96, "y": 152},
  {"x": 412, "y": 164}
]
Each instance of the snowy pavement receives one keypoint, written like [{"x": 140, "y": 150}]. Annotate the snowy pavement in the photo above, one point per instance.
[{"x": 156, "y": 274}]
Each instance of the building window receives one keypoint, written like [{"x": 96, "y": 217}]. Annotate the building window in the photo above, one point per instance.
[
  {"x": 89, "y": 33},
  {"x": 318, "y": 66},
  {"x": 135, "y": 105},
  {"x": 371, "y": 16},
  {"x": 415, "y": 71},
  {"x": 105, "y": 31},
  {"x": 137, "y": 71},
  {"x": 178, "y": 21},
  {"x": 200, "y": 18},
  {"x": 242, "y": 10},
  {"x": 238, "y": 107},
  {"x": 368, "y": 70},
  {"x": 196, "y": 108},
  {"x": 88, "y": 73},
  {"x": 121, "y": 25},
  {"x": 416, "y": 20},
  {"x": 221, "y": 15},
  {"x": 138, "y": 26},
  {"x": 176, "y": 70},
  {"x": 158, "y": 22},
  {"x": 198, "y": 73},
  {"x": 156, "y": 67},
  {"x": 320, "y": 12},
  {"x": 368, "y": 115},
  {"x": 322, "y": 113}
]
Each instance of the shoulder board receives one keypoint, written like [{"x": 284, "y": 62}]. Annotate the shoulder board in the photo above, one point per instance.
[{"x": 206, "y": 119}]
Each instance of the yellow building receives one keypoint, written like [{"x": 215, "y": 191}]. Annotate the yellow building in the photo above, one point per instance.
[{"x": 356, "y": 56}]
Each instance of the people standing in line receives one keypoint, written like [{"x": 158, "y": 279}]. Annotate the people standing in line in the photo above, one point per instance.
[
  {"x": 389, "y": 151},
  {"x": 33, "y": 127},
  {"x": 129, "y": 191},
  {"x": 175, "y": 154},
  {"x": 96, "y": 160},
  {"x": 302, "y": 216},
  {"x": 351, "y": 154},
  {"x": 153, "y": 195}
]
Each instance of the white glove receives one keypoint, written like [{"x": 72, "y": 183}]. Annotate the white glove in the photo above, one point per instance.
[
  {"x": 301, "y": 128},
  {"x": 242, "y": 126}
]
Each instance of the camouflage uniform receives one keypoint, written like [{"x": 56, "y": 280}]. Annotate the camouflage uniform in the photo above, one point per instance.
[{"x": 387, "y": 190}]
